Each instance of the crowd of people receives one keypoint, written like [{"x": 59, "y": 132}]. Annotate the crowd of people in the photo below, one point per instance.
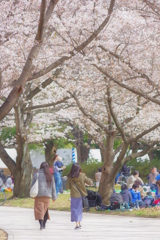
[{"x": 136, "y": 194}]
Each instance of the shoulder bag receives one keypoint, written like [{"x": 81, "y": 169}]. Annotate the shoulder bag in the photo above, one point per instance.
[
  {"x": 85, "y": 202},
  {"x": 34, "y": 189}
]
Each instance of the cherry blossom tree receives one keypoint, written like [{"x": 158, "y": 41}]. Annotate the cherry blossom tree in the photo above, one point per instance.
[
  {"x": 46, "y": 34},
  {"x": 116, "y": 88},
  {"x": 107, "y": 73},
  {"x": 60, "y": 22}
]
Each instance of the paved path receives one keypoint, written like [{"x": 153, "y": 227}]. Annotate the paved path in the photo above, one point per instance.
[{"x": 20, "y": 224}]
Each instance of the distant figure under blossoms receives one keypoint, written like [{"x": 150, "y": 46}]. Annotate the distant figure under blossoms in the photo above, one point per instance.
[
  {"x": 152, "y": 176},
  {"x": 10, "y": 182},
  {"x": 98, "y": 175},
  {"x": 57, "y": 174}
]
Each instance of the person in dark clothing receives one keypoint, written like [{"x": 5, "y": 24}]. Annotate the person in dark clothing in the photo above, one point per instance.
[
  {"x": 126, "y": 195},
  {"x": 125, "y": 170}
]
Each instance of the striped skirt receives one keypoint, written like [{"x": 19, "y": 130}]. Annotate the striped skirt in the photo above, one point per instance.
[{"x": 76, "y": 209}]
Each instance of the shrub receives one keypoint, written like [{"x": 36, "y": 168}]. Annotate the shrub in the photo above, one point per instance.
[{"x": 89, "y": 168}]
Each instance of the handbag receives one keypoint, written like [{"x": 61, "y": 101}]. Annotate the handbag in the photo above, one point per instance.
[
  {"x": 34, "y": 189},
  {"x": 85, "y": 202}
]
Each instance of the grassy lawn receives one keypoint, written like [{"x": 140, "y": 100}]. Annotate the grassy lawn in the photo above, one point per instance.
[{"x": 63, "y": 204}]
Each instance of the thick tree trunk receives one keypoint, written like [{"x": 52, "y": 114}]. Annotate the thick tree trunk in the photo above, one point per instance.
[
  {"x": 23, "y": 175},
  {"x": 82, "y": 150},
  {"x": 107, "y": 180},
  {"x": 82, "y": 153},
  {"x": 106, "y": 188},
  {"x": 50, "y": 151}
]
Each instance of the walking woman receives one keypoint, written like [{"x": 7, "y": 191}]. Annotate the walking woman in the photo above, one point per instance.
[
  {"x": 46, "y": 190},
  {"x": 57, "y": 175},
  {"x": 76, "y": 183}
]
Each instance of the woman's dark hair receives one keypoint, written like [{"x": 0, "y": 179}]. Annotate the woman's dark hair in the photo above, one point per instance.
[
  {"x": 45, "y": 167},
  {"x": 99, "y": 169},
  {"x": 124, "y": 187},
  {"x": 75, "y": 171},
  {"x": 158, "y": 182},
  {"x": 135, "y": 173},
  {"x": 135, "y": 186}
]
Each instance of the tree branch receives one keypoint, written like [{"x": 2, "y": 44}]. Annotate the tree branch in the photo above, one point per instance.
[
  {"x": 120, "y": 129},
  {"x": 119, "y": 57},
  {"x": 43, "y": 85},
  {"x": 131, "y": 89},
  {"x": 46, "y": 105},
  {"x": 20, "y": 83},
  {"x": 83, "y": 110},
  {"x": 140, "y": 154},
  {"x": 77, "y": 49},
  {"x": 144, "y": 133},
  {"x": 8, "y": 161},
  {"x": 88, "y": 115},
  {"x": 38, "y": 37},
  {"x": 153, "y": 7},
  {"x": 118, "y": 149},
  {"x": 118, "y": 164},
  {"x": 53, "y": 110}
]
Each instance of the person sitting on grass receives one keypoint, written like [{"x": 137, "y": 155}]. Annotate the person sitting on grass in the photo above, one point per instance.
[
  {"x": 158, "y": 189},
  {"x": 126, "y": 195},
  {"x": 140, "y": 189},
  {"x": 136, "y": 197},
  {"x": 133, "y": 178},
  {"x": 10, "y": 182},
  {"x": 158, "y": 176}
]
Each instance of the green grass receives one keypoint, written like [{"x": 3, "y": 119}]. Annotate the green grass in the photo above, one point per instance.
[
  {"x": 146, "y": 212},
  {"x": 63, "y": 204}
]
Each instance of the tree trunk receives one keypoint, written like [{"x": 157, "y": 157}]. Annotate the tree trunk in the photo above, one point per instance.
[
  {"x": 50, "y": 151},
  {"x": 134, "y": 147},
  {"x": 23, "y": 175},
  {"x": 107, "y": 180},
  {"x": 106, "y": 188},
  {"x": 102, "y": 151},
  {"x": 82, "y": 152},
  {"x": 151, "y": 155}
]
